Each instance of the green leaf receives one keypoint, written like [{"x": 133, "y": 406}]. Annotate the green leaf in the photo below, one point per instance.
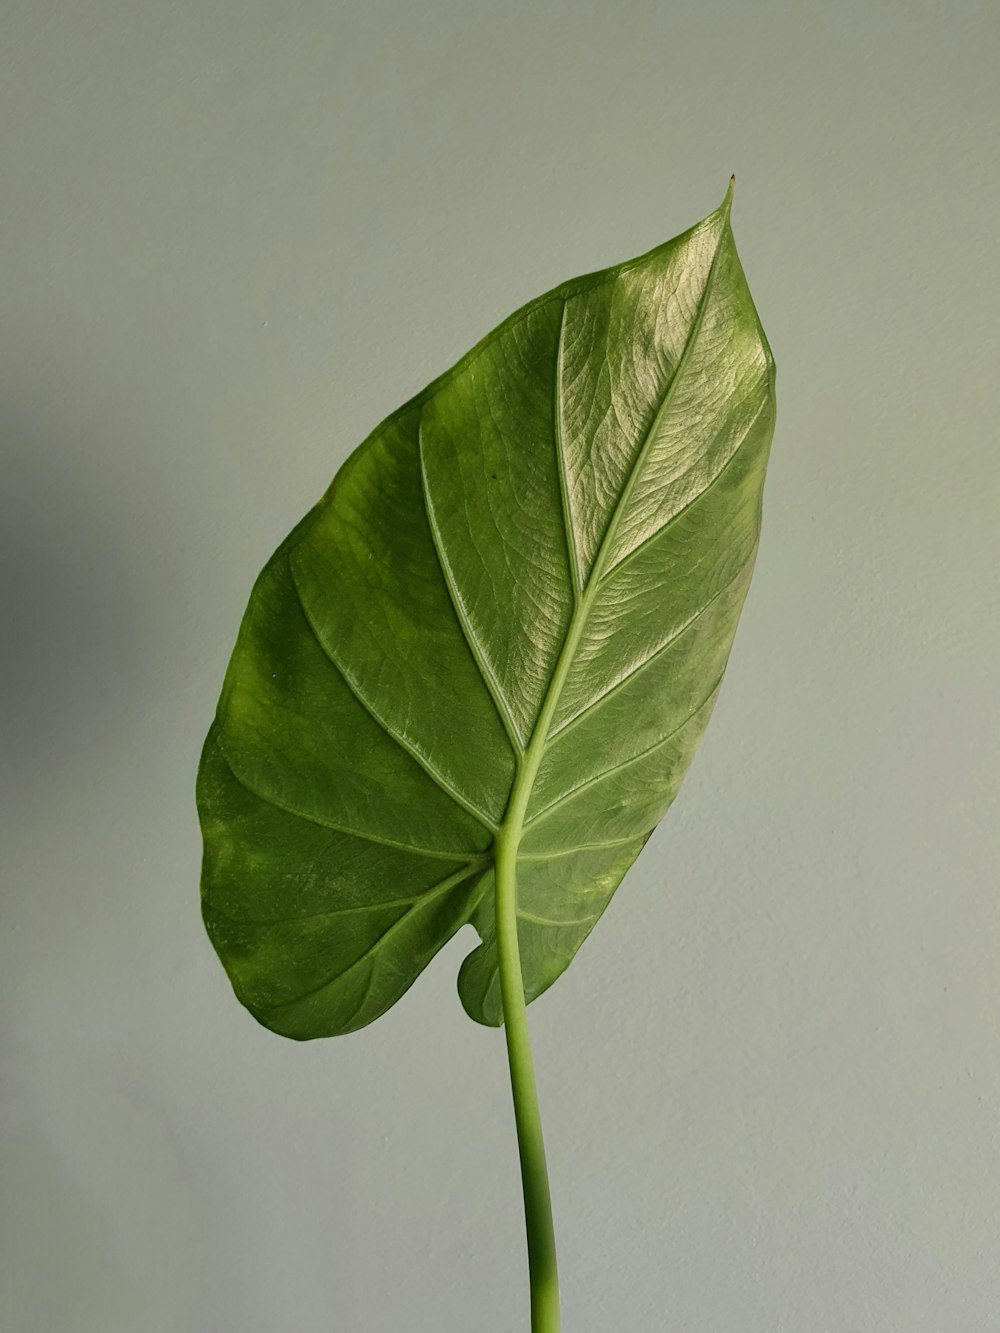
[{"x": 511, "y": 610}]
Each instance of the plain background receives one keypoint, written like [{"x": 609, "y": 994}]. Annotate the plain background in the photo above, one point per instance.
[{"x": 234, "y": 237}]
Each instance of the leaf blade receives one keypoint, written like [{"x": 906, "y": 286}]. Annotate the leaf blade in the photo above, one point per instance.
[{"x": 522, "y": 589}]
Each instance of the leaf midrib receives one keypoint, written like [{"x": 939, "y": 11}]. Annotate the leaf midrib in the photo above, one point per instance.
[
  {"x": 576, "y": 718},
  {"x": 528, "y": 766}
]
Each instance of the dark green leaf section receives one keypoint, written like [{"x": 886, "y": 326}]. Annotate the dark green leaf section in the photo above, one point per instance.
[
  {"x": 531, "y": 572},
  {"x": 294, "y": 732},
  {"x": 310, "y": 919},
  {"x": 370, "y": 580}
]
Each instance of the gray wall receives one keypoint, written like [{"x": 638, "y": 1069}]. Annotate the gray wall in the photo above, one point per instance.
[{"x": 234, "y": 237}]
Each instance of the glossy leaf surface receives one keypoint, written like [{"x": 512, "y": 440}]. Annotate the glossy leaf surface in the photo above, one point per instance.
[{"x": 535, "y": 568}]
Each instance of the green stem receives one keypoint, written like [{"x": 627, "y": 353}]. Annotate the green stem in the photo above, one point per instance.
[{"x": 534, "y": 1173}]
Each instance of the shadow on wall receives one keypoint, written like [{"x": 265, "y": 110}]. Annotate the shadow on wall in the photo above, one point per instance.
[{"x": 67, "y": 649}]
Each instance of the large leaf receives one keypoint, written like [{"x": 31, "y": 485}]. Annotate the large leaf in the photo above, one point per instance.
[{"x": 515, "y": 603}]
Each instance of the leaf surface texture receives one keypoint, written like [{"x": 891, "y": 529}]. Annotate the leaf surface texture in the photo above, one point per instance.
[{"x": 538, "y": 561}]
